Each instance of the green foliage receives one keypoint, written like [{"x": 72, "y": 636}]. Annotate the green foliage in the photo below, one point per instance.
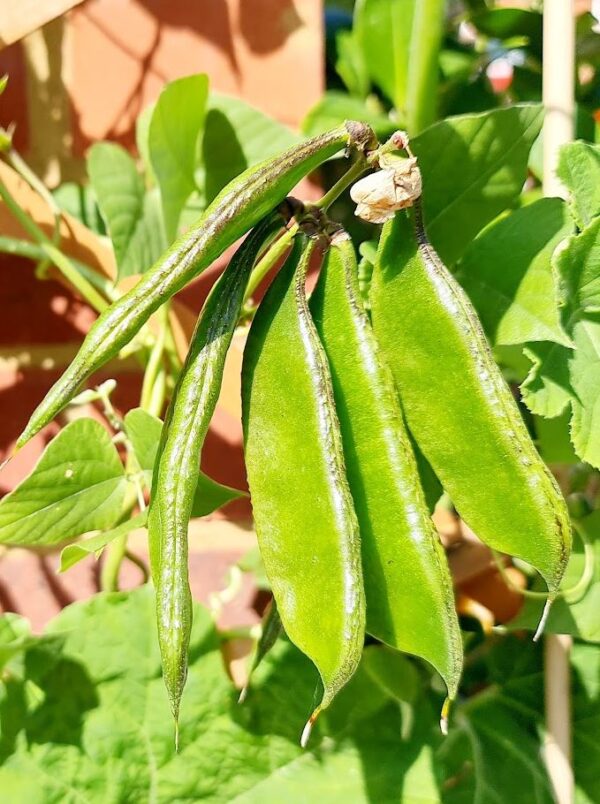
[
  {"x": 84, "y": 714},
  {"x": 473, "y": 168},
  {"x": 508, "y": 274},
  {"x": 78, "y": 485}
]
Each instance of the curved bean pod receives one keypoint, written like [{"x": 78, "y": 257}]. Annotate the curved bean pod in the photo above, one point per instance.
[
  {"x": 458, "y": 405},
  {"x": 178, "y": 458},
  {"x": 303, "y": 509},
  {"x": 410, "y": 600},
  {"x": 235, "y": 210}
]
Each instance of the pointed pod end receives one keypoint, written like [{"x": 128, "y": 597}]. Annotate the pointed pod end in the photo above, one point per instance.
[
  {"x": 243, "y": 694},
  {"x": 544, "y": 619},
  {"x": 177, "y": 735},
  {"x": 444, "y": 716},
  {"x": 306, "y": 731}
]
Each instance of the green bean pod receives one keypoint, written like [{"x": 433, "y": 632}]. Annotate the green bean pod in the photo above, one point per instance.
[
  {"x": 178, "y": 458},
  {"x": 408, "y": 588},
  {"x": 235, "y": 210},
  {"x": 303, "y": 508},
  {"x": 458, "y": 406}
]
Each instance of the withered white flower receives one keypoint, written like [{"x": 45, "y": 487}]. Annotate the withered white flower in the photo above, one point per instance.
[{"x": 396, "y": 186}]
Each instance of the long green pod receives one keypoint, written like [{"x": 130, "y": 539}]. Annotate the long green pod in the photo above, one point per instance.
[
  {"x": 235, "y": 210},
  {"x": 410, "y": 600},
  {"x": 178, "y": 458},
  {"x": 303, "y": 508},
  {"x": 458, "y": 405}
]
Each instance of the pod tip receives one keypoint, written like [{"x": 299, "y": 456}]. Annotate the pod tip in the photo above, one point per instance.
[
  {"x": 444, "y": 715},
  {"x": 9, "y": 457},
  {"x": 243, "y": 694},
  {"x": 176, "y": 735},
  {"x": 543, "y": 620},
  {"x": 306, "y": 731}
]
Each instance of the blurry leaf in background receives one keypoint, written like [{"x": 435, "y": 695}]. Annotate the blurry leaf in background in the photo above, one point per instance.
[
  {"x": 143, "y": 430},
  {"x": 508, "y": 274},
  {"x": 80, "y": 202},
  {"x": 553, "y": 440},
  {"x": 383, "y": 29},
  {"x": 579, "y": 171},
  {"x": 173, "y": 141},
  {"x": 336, "y": 107},
  {"x": 578, "y": 613},
  {"x": 133, "y": 216},
  {"x": 511, "y": 23},
  {"x": 78, "y": 485},
  {"x": 560, "y": 376},
  {"x": 473, "y": 167},
  {"x": 351, "y": 64},
  {"x": 237, "y": 136}
]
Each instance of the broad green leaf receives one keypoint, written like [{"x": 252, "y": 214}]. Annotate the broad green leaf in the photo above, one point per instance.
[
  {"x": 579, "y": 170},
  {"x": 383, "y": 29},
  {"x": 133, "y": 216},
  {"x": 144, "y": 431},
  {"x": 474, "y": 166},
  {"x": 553, "y": 441},
  {"x": 508, "y": 274},
  {"x": 78, "y": 485},
  {"x": 335, "y": 107},
  {"x": 119, "y": 189},
  {"x": 577, "y": 613},
  {"x": 100, "y": 728},
  {"x": 237, "y": 136},
  {"x": 73, "y": 553},
  {"x": 173, "y": 139},
  {"x": 561, "y": 375}
]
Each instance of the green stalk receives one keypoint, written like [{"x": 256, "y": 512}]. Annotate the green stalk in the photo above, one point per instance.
[
  {"x": 280, "y": 246},
  {"x": 423, "y": 70},
  {"x": 49, "y": 250}
]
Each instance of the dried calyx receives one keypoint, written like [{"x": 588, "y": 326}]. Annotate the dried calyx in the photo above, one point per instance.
[{"x": 396, "y": 185}]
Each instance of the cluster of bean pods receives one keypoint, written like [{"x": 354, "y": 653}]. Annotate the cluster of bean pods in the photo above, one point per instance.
[{"x": 332, "y": 398}]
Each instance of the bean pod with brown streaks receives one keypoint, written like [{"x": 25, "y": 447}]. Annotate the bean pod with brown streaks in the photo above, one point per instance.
[
  {"x": 458, "y": 405},
  {"x": 235, "y": 210},
  {"x": 176, "y": 468},
  {"x": 303, "y": 509},
  {"x": 408, "y": 588}
]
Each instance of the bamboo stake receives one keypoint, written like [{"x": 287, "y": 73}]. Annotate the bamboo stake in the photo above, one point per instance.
[{"x": 558, "y": 96}]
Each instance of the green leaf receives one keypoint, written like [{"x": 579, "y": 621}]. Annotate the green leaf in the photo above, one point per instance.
[
  {"x": 474, "y": 166},
  {"x": 173, "y": 139},
  {"x": 560, "y": 376},
  {"x": 508, "y": 274},
  {"x": 142, "y": 135},
  {"x": 73, "y": 553},
  {"x": 351, "y": 65},
  {"x": 509, "y": 23},
  {"x": 579, "y": 170},
  {"x": 80, "y": 202},
  {"x": 144, "y": 431},
  {"x": 100, "y": 728},
  {"x": 78, "y": 485},
  {"x": 577, "y": 613},
  {"x": 383, "y": 29},
  {"x": 335, "y": 107},
  {"x": 15, "y": 636},
  {"x": 133, "y": 217},
  {"x": 553, "y": 439},
  {"x": 237, "y": 136}
]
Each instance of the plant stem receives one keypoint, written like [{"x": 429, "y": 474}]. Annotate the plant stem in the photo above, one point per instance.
[
  {"x": 423, "y": 70},
  {"x": 63, "y": 263},
  {"x": 280, "y": 246},
  {"x": 155, "y": 362}
]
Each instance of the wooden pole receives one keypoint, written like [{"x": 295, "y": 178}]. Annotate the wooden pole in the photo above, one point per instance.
[{"x": 559, "y": 102}]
